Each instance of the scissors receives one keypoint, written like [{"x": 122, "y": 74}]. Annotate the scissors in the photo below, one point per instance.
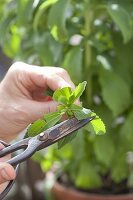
[{"x": 32, "y": 144}]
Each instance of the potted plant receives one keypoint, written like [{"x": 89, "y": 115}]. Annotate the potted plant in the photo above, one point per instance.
[{"x": 93, "y": 41}]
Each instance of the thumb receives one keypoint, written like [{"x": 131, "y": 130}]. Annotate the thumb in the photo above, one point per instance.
[
  {"x": 38, "y": 109},
  {"x": 7, "y": 172}
]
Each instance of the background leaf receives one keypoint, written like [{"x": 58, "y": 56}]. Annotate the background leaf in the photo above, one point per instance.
[
  {"x": 73, "y": 63},
  {"x": 104, "y": 149},
  {"x": 87, "y": 176},
  {"x": 115, "y": 91},
  {"x": 58, "y": 22},
  {"x": 122, "y": 18},
  {"x": 66, "y": 140}
]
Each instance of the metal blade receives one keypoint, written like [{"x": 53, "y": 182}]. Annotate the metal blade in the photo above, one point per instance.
[
  {"x": 68, "y": 127},
  {"x": 61, "y": 130}
]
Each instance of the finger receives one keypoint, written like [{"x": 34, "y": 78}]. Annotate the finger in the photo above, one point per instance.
[
  {"x": 38, "y": 109},
  {"x": 64, "y": 74},
  {"x": 52, "y": 77},
  {"x": 55, "y": 77},
  {"x": 7, "y": 172},
  {"x": 56, "y": 82}
]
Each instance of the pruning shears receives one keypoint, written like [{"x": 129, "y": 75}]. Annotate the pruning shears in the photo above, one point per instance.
[{"x": 32, "y": 144}]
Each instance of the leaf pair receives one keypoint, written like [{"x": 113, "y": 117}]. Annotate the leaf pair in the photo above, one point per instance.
[
  {"x": 66, "y": 97},
  {"x": 43, "y": 124}
]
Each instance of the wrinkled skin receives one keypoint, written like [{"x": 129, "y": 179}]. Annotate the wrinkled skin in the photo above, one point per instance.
[{"x": 22, "y": 101}]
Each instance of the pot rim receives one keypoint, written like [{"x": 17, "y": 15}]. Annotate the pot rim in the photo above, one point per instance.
[{"x": 60, "y": 187}]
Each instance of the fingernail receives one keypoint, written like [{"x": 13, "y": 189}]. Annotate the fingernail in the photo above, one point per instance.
[{"x": 5, "y": 175}]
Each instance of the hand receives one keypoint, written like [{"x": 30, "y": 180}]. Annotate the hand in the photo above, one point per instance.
[
  {"x": 22, "y": 99},
  {"x": 7, "y": 172}
]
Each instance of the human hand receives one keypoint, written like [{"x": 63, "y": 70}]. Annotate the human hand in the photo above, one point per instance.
[
  {"x": 7, "y": 172},
  {"x": 22, "y": 99}
]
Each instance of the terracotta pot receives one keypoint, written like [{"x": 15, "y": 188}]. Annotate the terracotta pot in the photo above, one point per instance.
[{"x": 61, "y": 192}]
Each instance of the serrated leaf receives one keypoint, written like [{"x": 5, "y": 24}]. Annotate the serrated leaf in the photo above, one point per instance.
[
  {"x": 62, "y": 95},
  {"x": 66, "y": 140},
  {"x": 50, "y": 116},
  {"x": 96, "y": 125},
  {"x": 36, "y": 128},
  {"x": 61, "y": 108},
  {"x": 122, "y": 18},
  {"x": 52, "y": 119},
  {"x": 115, "y": 92},
  {"x": 82, "y": 113},
  {"x": 78, "y": 91}
]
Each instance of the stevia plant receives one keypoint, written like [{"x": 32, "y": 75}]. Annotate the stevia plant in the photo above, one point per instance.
[
  {"x": 66, "y": 98},
  {"x": 93, "y": 41}
]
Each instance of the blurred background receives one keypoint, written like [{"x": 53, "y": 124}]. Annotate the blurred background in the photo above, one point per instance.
[{"x": 93, "y": 41}]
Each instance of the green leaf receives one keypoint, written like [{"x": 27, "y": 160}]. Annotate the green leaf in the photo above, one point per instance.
[
  {"x": 80, "y": 112},
  {"x": 73, "y": 63},
  {"x": 122, "y": 18},
  {"x": 50, "y": 116},
  {"x": 79, "y": 142},
  {"x": 52, "y": 119},
  {"x": 115, "y": 92},
  {"x": 78, "y": 91},
  {"x": 40, "y": 12},
  {"x": 96, "y": 125},
  {"x": 36, "y": 128},
  {"x": 57, "y": 19},
  {"x": 104, "y": 62},
  {"x": 62, "y": 108},
  {"x": 104, "y": 149},
  {"x": 66, "y": 140},
  {"x": 25, "y": 10},
  {"x": 40, "y": 125},
  {"x": 126, "y": 136},
  {"x": 49, "y": 92},
  {"x": 47, "y": 55},
  {"x": 87, "y": 176},
  {"x": 62, "y": 95},
  {"x": 119, "y": 167}
]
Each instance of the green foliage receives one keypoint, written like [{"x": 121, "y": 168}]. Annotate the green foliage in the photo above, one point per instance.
[
  {"x": 122, "y": 17},
  {"x": 93, "y": 40},
  {"x": 87, "y": 176},
  {"x": 112, "y": 85},
  {"x": 66, "y": 97}
]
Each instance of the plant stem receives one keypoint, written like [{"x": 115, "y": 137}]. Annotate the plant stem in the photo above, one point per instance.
[{"x": 88, "y": 16}]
